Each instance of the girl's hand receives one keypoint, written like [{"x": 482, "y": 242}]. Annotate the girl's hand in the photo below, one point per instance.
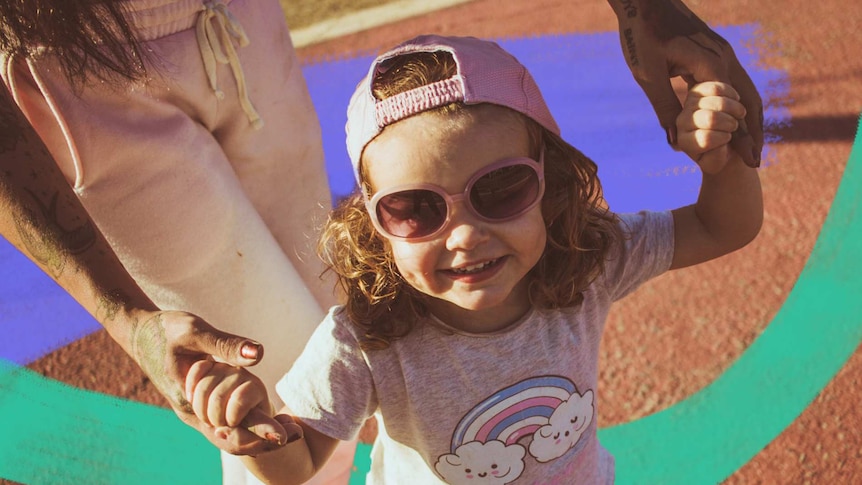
[
  {"x": 711, "y": 114},
  {"x": 232, "y": 402}
]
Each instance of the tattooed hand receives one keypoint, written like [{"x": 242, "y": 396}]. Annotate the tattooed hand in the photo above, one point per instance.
[
  {"x": 662, "y": 39},
  {"x": 167, "y": 344}
]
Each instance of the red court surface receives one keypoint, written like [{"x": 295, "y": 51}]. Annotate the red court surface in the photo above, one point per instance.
[{"x": 691, "y": 324}]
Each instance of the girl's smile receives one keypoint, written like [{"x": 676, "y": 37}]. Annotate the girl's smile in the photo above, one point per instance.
[
  {"x": 474, "y": 273},
  {"x": 473, "y": 268}
]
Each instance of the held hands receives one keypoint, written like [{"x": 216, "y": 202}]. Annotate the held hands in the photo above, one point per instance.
[
  {"x": 167, "y": 344},
  {"x": 234, "y": 405},
  {"x": 710, "y": 115},
  {"x": 662, "y": 39}
]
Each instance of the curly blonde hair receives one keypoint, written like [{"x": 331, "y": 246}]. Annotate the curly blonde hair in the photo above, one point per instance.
[{"x": 580, "y": 228}]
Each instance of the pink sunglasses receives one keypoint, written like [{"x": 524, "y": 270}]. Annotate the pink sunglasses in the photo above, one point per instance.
[{"x": 499, "y": 192}]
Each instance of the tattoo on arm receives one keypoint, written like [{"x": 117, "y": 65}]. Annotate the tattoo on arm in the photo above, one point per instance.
[
  {"x": 26, "y": 187},
  {"x": 629, "y": 7},
  {"x": 111, "y": 302},
  {"x": 11, "y": 132},
  {"x": 671, "y": 18},
  {"x": 630, "y": 48},
  {"x": 664, "y": 20},
  {"x": 46, "y": 240},
  {"x": 149, "y": 348}
]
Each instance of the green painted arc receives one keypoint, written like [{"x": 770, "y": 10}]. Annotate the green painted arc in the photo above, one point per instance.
[{"x": 53, "y": 433}]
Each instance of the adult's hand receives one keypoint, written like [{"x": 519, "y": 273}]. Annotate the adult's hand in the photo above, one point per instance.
[
  {"x": 662, "y": 39},
  {"x": 42, "y": 217},
  {"x": 166, "y": 343}
]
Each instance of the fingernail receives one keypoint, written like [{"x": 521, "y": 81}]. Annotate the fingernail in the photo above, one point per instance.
[
  {"x": 671, "y": 135},
  {"x": 756, "y": 153},
  {"x": 274, "y": 438},
  {"x": 294, "y": 433},
  {"x": 250, "y": 351},
  {"x": 222, "y": 434}
]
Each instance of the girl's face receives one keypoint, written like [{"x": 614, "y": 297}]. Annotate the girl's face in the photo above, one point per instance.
[{"x": 474, "y": 269}]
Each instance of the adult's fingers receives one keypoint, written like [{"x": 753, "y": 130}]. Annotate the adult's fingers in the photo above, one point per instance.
[
  {"x": 664, "y": 102},
  {"x": 743, "y": 144},
  {"x": 646, "y": 58},
  {"x": 753, "y": 103},
  {"x": 224, "y": 346}
]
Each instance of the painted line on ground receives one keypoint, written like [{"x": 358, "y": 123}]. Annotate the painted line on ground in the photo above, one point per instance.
[{"x": 54, "y": 433}]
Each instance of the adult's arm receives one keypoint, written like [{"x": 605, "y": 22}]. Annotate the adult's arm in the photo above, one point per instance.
[
  {"x": 43, "y": 218},
  {"x": 662, "y": 39}
]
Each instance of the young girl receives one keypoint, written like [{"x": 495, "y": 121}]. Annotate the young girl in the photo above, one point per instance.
[{"x": 480, "y": 263}]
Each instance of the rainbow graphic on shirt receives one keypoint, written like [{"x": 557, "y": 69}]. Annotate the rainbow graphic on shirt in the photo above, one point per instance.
[{"x": 514, "y": 412}]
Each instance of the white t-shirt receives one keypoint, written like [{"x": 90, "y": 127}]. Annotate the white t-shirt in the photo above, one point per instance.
[{"x": 515, "y": 406}]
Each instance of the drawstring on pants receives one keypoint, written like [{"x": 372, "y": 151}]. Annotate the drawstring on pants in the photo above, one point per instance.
[{"x": 216, "y": 29}]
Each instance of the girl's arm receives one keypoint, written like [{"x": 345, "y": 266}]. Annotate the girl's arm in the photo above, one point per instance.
[
  {"x": 228, "y": 398},
  {"x": 298, "y": 460},
  {"x": 729, "y": 209}
]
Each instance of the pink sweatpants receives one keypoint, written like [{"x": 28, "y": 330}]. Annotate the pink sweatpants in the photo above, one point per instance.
[{"x": 210, "y": 212}]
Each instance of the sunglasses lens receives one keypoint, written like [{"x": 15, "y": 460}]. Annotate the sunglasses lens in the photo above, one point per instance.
[
  {"x": 505, "y": 192},
  {"x": 411, "y": 213},
  {"x": 499, "y": 195}
]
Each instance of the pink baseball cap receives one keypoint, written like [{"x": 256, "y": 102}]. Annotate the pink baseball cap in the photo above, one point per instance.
[{"x": 486, "y": 74}]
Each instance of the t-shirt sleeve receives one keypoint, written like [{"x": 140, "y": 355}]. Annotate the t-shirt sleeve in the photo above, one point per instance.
[
  {"x": 329, "y": 386},
  {"x": 645, "y": 251}
]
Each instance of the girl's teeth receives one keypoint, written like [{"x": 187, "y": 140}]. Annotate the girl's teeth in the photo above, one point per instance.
[{"x": 474, "y": 268}]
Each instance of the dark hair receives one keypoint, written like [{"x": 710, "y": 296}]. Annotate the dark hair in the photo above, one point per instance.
[
  {"x": 580, "y": 228},
  {"x": 88, "y": 37}
]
